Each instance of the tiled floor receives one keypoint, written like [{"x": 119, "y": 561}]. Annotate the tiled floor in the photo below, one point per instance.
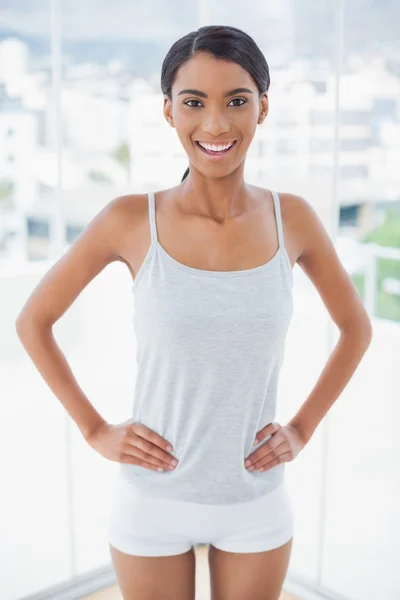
[{"x": 202, "y": 582}]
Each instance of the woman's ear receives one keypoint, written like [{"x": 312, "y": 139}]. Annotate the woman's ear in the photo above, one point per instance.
[
  {"x": 168, "y": 110},
  {"x": 264, "y": 109}
]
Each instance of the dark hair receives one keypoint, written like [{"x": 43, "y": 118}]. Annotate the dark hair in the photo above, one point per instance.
[{"x": 223, "y": 42}]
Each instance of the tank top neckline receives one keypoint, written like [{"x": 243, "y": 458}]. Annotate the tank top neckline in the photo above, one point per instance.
[{"x": 281, "y": 251}]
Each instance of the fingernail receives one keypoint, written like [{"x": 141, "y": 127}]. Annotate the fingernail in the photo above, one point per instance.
[
  {"x": 169, "y": 448},
  {"x": 256, "y": 441}
]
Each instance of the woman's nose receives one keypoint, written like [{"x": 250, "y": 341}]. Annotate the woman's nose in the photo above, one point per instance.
[{"x": 216, "y": 125}]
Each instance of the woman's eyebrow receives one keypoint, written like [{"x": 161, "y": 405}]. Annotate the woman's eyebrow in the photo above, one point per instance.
[{"x": 204, "y": 95}]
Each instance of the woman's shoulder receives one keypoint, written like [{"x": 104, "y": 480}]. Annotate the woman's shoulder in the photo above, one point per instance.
[
  {"x": 128, "y": 212},
  {"x": 295, "y": 213},
  {"x": 290, "y": 205},
  {"x": 303, "y": 224},
  {"x": 128, "y": 204},
  {"x": 287, "y": 200}
]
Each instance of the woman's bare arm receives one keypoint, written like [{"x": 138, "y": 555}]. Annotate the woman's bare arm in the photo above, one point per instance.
[
  {"x": 319, "y": 260},
  {"x": 98, "y": 245}
]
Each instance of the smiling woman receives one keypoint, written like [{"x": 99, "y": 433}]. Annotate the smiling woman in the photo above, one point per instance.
[
  {"x": 211, "y": 340},
  {"x": 228, "y": 48},
  {"x": 212, "y": 262},
  {"x": 214, "y": 336}
]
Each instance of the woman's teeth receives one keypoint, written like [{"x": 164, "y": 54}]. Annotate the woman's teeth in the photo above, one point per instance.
[{"x": 215, "y": 149}]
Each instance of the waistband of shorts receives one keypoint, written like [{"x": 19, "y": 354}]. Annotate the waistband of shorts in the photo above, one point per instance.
[{"x": 271, "y": 497}]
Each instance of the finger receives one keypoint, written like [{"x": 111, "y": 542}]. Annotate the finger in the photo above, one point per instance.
[
  {"x": 265, "y": 432},
  {"x": 272, "y": 443},
  {"x": 266, "y": 452},
  {"x": 135, "y": 460},
  {"x": 138, "y": 446},
  {"x": 143, "y": 458},
  {"x": 148, "y": 434},
  {"x": 286, "y": 456}
]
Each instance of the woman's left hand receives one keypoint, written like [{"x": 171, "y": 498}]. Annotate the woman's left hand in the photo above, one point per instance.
[{"x": 284, "y": 445}]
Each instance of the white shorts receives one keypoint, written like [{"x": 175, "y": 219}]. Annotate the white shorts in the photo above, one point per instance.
[{"x": 147, "y": 526}]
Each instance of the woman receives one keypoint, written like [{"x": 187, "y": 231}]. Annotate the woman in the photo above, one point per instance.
[{"x": 211, "y": 261}]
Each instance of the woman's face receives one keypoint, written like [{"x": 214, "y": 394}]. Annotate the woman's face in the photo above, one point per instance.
[{"x": 211, "y": 113}]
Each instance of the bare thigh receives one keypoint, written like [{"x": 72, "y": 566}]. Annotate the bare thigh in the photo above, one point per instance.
[
  {"x": 255, "y": 575},
  {"x": 150, "y": 577}
]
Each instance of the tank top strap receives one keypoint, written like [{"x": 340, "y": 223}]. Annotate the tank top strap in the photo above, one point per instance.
[
  {"x": 152, "y": 217},
  {"x": 278, "y": 217}
]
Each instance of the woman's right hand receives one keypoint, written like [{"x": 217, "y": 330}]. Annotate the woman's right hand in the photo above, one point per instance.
[{"x": 132, "y": 443}]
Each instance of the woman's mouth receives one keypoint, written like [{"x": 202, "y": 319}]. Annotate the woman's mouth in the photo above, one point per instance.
[{"x": 215, "y": 154}]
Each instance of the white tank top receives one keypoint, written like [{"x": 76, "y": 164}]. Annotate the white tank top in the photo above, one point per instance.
[{"x": 210, "y": 345}]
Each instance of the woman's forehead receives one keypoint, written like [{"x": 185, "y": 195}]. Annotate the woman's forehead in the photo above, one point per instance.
[{"x": 211, "y": 75}]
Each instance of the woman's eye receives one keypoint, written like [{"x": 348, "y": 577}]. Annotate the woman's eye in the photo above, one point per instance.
[
  {"x": 187, "y": 102},
  {"x": 243, "y": 99},
  {"x": 193, "y": 100}
]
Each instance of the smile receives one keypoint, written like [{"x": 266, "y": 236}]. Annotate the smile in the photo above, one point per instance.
[{"x": 216, "y": 151}]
